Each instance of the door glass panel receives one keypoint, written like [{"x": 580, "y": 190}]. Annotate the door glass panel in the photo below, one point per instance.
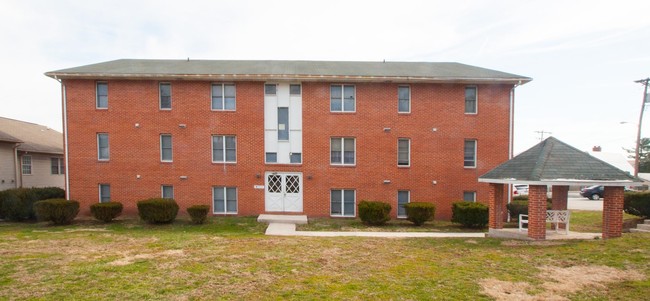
[
  {"x": 293, "y": 184},
  {"x": 275, "y": 183}
]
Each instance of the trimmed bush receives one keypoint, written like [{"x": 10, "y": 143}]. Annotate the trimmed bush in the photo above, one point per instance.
[
  {"x": 517, "y": 207},
  {"x": 57, "y": 211},
  {"x": 470, "y": 214},
  {"x": 419, "y": 212},
  {"x": 106, "y": 212},
  {"x": 158, "y": 210},
  {"x": 637, "y": 203},
  {"x": 18, "y": 204},
  {"x": 374, "y": 213},
  {"x": 198, "y": 213}
]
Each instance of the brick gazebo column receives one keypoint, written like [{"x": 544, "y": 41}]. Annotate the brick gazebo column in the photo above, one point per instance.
[
  {"x": 612, "y": 212},
  {"x": 496, "y": 204},
  {"x": 560, "y": 197},
  {"x": 537, "y": 211}
]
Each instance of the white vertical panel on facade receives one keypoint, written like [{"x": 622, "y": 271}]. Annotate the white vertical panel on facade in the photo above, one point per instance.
[
  {"x": 270, "y": 112},
  {"x": 295, "y": 137},
  {"x": 271, "y": 141},
  {"x": 283, "y": 95},
  {"x": 283, "y": 152}
]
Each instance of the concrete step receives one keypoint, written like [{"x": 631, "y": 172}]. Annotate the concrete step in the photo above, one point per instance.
[
  {"x": 647, "y": 222},
  {"x": 643, "y": 226},
  {"x": 282, "y": 219},
  {"x": 639, "y": 230}
]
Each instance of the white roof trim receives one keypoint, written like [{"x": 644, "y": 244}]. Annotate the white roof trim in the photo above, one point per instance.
[{"x": 563, "y": 182}]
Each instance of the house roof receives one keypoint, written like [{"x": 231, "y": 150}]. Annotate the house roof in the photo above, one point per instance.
[
  {"x": 4, "y": 137},
  {"x": 553, "y": 162},
  {"x": 289, "y": 70},
  {"x": 32, "y": 137}
]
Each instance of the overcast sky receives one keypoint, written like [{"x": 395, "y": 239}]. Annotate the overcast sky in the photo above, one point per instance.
[{"x": 583, "y": 56}]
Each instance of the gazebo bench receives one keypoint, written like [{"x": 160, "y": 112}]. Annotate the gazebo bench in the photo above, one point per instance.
[{"x": 555, "y": 217}]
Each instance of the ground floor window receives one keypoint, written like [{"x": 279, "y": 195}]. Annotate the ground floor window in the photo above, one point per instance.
[
  {"x": 224, "y": 200},
  {"x": 342, "y": 202},
  {"x": 104, "y": 193},
  {"x": 469, "y": 196},
  {"x": 167, "y": 191},
  {"x": 403, "y": 197}
]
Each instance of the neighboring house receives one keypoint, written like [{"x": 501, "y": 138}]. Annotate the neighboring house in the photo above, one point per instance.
[
  {"x": 309, "y": 137},
  {"x": 31, "y": 155}
]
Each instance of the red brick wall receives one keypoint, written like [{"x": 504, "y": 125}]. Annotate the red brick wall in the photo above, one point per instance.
[
  {"x": 435, "y": 155},
  {"x": 613, "y": 212}
]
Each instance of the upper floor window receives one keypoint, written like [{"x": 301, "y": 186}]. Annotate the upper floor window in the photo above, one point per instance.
[
  {"x": 167, "y": 191},
  {"x": 166, "y": 154},
  {"x": 470, "y": 100},
  {"x": 224, "y": 148},
  {"x": 104, "y": 193},
  {"x": 403, "y": 152},
  {"x": 294, "y": 89},
  {"x": 57, "y": 166},
  {"x": 469, "y": 196},
  {"x": 470, "y": 153},
  {"x": 283, "y": 123},
  {"x": 102, "y": 95},
  {"x": 342, "y": 151},
  {"x": 223, "y": 97},
  {"x": 404, "y": 99},
  {"x": 342, "y": 98},
  {"x": 27, "y": 165},
  {"x": 103, "y": 152},
  {"x": 165, "y": 96},
  {"x": 270, "y": 89}
]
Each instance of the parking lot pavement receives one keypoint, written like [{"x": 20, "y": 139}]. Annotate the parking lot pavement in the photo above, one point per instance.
[{"x": 576, "y": 202}]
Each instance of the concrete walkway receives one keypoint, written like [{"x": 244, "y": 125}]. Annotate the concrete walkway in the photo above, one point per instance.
[{"x": 289, "y": 229}]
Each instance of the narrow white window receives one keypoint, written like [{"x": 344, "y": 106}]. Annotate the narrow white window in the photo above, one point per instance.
[
  {"x": 471, "y": 100},
  {"x": 167, "y": 191},
  {"x": 224, "y": 200},
  {"x": 470, "y": 154},
  {"x": 403, "y": 197},
  {"x": 104, "y": 193},
  {"x": 27, "y": 165},
  {"x": 102, "y": 95},
  {"x": 404, "y": 152},
  {"x": 404, "y": 99},
  {"x": 166, "y": 154},
  {"x": 342, "y": 202},
  {"x": 103, "y": 151},
  {"x": 165, "y": 96}
]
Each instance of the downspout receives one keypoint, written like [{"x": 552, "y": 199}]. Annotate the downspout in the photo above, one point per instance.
[
  {"x": 65, "y": 138},
  {"x": 511, "y": 135},
  {"x": 18, "y": 174}
]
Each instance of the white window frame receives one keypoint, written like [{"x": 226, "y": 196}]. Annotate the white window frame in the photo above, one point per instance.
[
  {"x": 409, "y": 152},
  {"x": 354, "y": 139},
  {"x": 403, "y": 86},
  {"x": 162, "y": 191},
  {"x": 354, "y": 208},
  {"x": 160, "y": 96},
  {"x": 100, "y": 192},
  {"x": 108, "y": 147},
  {"x": 224, "y": 149},
  {"x": 223, "y": 97},
  {"x": 223, "y": 189},
  {"x": 23, "y": 165},
  {"x": 408, "y": 200},
  {"x": 97, "y": 95},
  {"x": 475, "y": 152},
  {"x": 171, "y": 141},
  {"x": 473, "y": 196},
  {"x": 475, "y": 101},
  {"x": 343, "y": 98}
]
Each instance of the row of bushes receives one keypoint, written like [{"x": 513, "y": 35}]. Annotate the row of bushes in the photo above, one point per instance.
[
  {"x": 468, "y": 214},
  {"x": 18, "y": 204},
  {"x": 637, "y": 203}
]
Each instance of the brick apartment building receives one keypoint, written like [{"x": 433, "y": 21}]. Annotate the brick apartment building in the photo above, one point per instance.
[{"x": 309, "y": 137}]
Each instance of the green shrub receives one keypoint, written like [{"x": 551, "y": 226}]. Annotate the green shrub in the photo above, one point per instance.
[
  {"x": 516, "y": 207},
  {"x": 520, "y": 198},
  {"x": 106, "y": 212},
  {"x": 637, "y": 203},
  {"x": 18, "y": 204},
  {"x": 374, "y": 213},
  {"x": 420, "y": 212},
  {"x": 57, "y": 211},
  {"x": 470, "y": 214},
  {"x": 158, "y": 210},
  {"x": 198, "y": 213}
]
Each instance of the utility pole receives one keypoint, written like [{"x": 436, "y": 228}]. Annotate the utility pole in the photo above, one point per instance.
[
  {"x": 638, "y": 131},
  {"x": 541, "y": 134}
]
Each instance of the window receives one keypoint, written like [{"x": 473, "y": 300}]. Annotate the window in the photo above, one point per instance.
[
  {"x": 470, "y": 100},
  {"x": 103, "y": 152},
  {"x": 224, "y": 200},
  {"x": 342, "y": 151},
  {"x": 104, "y": 193},
  {"x": 404, "y": 99},
  {"x": 102, "y": 96},
  {"x": 167, "y": 191},
  {"x": 295, "y": 158},
  {"x": 58, "y": 168},
  {"x": 469, "y": 196},
  {"x": 223, "y": 97},
  {"x": 342, "y": 98},
  {"x": 269, "y": 89},
  {"x": 283, "y": 124},
  {"x": 470, "y": 153},
  {"x": 166, "y": 154},
  {"x": 403, "y": 152},
  {"x": 27, "y": 165},
  {"x": 342, "y": 202},
  {"x": 294, "y": 89},
  {"x": 165, "y": 96},
  {"x": 271, "y": 157},
  {"x": 224, "y": 149},
  {"x": 403, "y": 197}
]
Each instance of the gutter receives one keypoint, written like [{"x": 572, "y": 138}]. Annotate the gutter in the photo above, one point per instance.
[{"x": 17, "y": 167}]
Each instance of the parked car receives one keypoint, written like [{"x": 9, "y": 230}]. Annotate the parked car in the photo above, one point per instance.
[{"x": 592, "y": 192}]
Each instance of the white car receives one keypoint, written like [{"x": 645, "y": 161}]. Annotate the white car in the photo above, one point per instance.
[{"x": 520, "y": 189}]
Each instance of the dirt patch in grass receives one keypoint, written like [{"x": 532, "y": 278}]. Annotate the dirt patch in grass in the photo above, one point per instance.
[
  {"x": 559, "y": 282},
  {"x": 129, "y": 259},
  {"x": 516, "y": 243}
]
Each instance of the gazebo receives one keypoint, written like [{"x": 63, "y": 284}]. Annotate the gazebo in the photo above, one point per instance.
[{"x": 556, "y": 164}]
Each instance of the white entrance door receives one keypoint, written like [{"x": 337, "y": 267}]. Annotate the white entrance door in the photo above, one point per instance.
[{"x": 283, "y": 192}]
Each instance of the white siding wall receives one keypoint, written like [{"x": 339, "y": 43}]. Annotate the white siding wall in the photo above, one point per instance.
[
  {"x": 7, "y": 166},
  {"x": 42, "y": 172}
]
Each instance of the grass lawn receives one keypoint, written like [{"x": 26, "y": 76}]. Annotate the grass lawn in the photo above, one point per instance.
[{"x": 230, "y": 258}]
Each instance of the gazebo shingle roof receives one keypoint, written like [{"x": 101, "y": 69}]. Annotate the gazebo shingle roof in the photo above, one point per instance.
[{"x": 553, "y": 161}]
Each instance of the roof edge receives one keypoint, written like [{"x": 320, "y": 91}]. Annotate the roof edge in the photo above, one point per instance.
[{"x": 562, "y": 182}]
